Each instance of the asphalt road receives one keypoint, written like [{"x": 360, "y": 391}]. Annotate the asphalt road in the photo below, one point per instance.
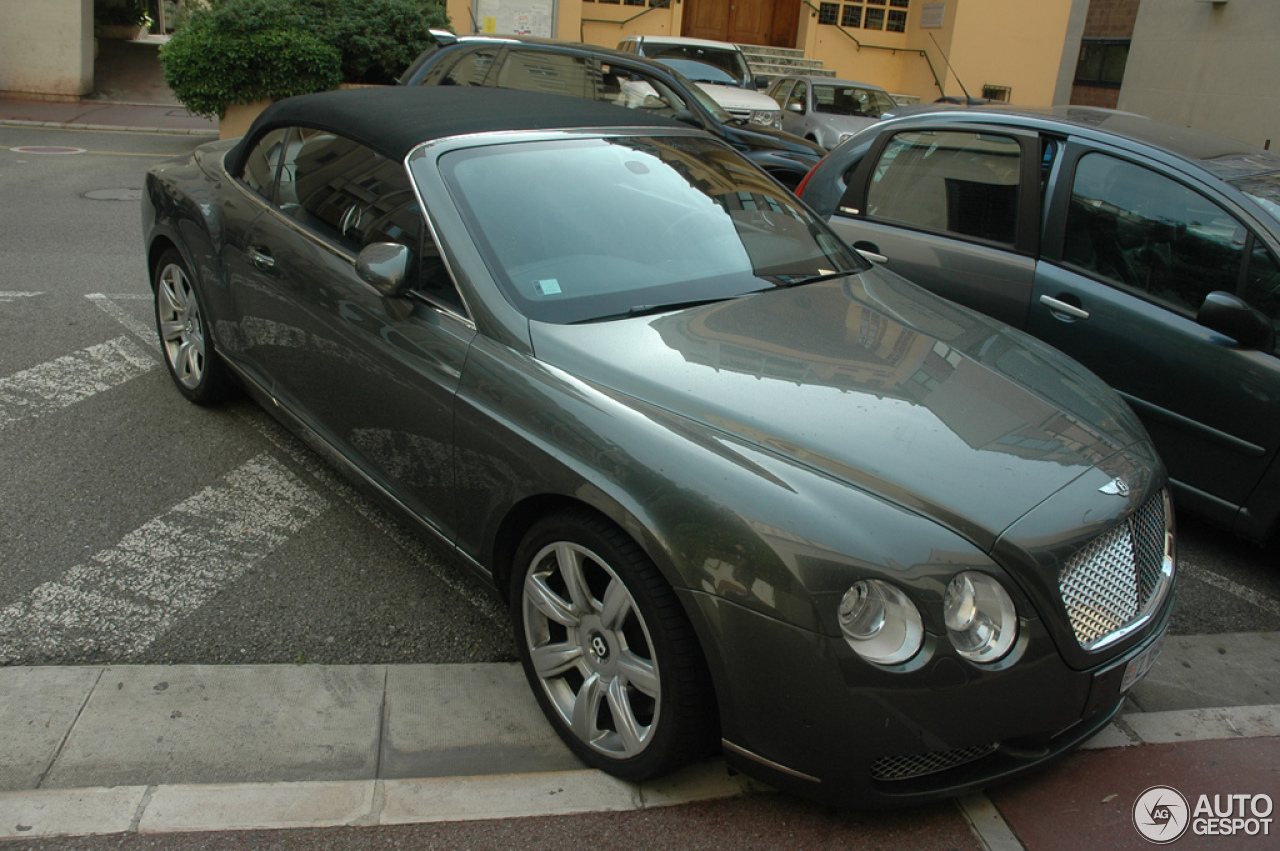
[{"x": 121, "y": 505}]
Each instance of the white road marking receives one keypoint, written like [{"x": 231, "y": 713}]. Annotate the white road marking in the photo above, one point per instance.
[
  {"x": 420, "y": 551},
  {"x": 55, "y": 384},
  {"x": 7, "y": 296},
  {"x": 144, "y": 331},
  {"x": 127, "y": 596},
  {"x": 1222, "y": 583}
]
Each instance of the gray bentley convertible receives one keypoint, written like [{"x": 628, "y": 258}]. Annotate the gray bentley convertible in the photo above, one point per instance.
[{"x": 743, "y": 492}]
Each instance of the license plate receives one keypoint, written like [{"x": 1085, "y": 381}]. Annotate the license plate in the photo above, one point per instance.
[{"x": 1139, "y": 666}]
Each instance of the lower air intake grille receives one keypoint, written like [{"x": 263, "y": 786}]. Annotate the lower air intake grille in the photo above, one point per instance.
[
  {"x": 920, "y": 764},
  {"x": 1118, "y": 577}
]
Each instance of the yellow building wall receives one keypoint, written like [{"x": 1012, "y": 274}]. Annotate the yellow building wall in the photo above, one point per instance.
[
  {"x": 1014, "y": 43},
  {"x": 1011, "y": 43}
]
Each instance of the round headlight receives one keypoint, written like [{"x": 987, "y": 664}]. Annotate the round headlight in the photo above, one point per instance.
[
  {"x": 880, "y": 622},
  {"x": 981, "y": 619}
]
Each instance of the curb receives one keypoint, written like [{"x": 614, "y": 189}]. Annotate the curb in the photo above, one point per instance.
[
  {"x": 358, "y": 803},
  {"x": 110, "y": 128},
  {"x": 189, "y": 808}
]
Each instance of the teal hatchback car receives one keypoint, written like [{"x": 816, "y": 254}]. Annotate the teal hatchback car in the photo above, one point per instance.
[{"x": 1149, "y": 253}]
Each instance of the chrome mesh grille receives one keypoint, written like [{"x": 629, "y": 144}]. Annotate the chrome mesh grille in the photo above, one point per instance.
[
  {"x": 1112, "y": 581},
  {"x": 744, "y": 114},
  {"x": 919, "y": 764}
]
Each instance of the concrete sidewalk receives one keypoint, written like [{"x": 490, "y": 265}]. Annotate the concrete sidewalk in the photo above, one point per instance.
[
  {"x": 106, "y": 115},
  {"x": 158, "y": 749}
]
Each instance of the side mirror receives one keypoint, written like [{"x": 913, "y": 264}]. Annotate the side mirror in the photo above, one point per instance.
[
  {"x": 796, "y": 107},
  {"x": 687, "y": 117},
  {"x": 762, "y": 83},
  {"x": 1227, "y": 314},
  {"x": 385, "y": 267}
]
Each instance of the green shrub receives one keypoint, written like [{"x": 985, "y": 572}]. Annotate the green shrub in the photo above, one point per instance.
[
  {"x": 241, "y": 51},
  {"x": 378, "y": 38}
]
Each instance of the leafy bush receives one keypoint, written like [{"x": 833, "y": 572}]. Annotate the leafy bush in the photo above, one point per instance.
[
  {"x": 378, "y": 38},
  {"x": 241, "y": 51}
]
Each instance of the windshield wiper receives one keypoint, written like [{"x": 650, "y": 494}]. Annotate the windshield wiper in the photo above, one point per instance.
[
  {"x": 784, "y": 281},
  {"x": 665, "y": 307}
]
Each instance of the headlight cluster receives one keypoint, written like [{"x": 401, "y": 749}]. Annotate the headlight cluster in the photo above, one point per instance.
[
  {"x": 883, "y": 626},
  {"x": 767, "y": 117}
]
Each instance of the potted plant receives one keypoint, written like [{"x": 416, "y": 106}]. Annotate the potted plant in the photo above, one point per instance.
[
  {"x": 233, "y": 57},
  {"x": 120, "y": 19}
]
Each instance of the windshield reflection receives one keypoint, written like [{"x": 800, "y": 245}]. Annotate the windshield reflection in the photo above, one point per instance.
[{"x": 581, "y": 230}]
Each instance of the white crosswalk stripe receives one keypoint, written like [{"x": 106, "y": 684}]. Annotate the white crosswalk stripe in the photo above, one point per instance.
[
  {"x": 58, "y": 383},
  {"x": 127, "y": 596}
]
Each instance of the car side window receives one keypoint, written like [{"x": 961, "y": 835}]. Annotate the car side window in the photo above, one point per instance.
[
  {"x": 1262, "y": 286},
  {"x": 263, "y": 161},
  {"x": 958, "y": 182},
  {"x": 780, "y": 91},
  {"x": 1149, "y": 233},
  {"x": 798, "y": 95},
  {"x": 354, "y": 196},
  {"x": 470, "y": 70},
  {"x": 545, "y": 71}
]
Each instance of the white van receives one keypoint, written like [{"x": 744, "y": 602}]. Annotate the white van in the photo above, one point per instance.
[{"x": 719, "y": 69}]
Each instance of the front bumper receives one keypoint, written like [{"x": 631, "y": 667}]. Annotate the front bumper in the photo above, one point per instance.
[{"x": 803, "y": 713}]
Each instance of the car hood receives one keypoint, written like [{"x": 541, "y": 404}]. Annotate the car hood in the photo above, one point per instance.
[
  {"x": 731, "y": 97},
  {"x": 875, "y": 382},
  {"x": 762, "y": 137}
]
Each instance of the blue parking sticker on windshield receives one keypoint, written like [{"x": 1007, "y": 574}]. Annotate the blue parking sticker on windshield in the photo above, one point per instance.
[{"x": 548, "y": 287}]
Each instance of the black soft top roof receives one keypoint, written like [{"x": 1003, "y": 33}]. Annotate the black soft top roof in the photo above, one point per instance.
[{"x": 393, "y": 120}]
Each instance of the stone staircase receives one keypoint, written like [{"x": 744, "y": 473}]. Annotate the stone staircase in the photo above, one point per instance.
[{"x": 776, "y": 61}]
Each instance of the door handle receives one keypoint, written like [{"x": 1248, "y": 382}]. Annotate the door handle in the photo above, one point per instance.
[
  {"x": 1059, "y": 306},
  {"x": 870, "y": 251},
  {"x": 261, "y": 259}
]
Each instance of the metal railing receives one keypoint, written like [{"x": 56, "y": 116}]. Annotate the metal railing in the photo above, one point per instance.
[{"x": 908, "y": 50}]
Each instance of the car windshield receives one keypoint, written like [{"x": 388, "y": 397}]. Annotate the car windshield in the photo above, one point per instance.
[
  {"x": 579, "y": 230},
  {"x": 1263, "y": 189},
  {"x": 700, "y": 72},
  {"x": 729, "y": 61},
  {"x": 850, "y": 100}
]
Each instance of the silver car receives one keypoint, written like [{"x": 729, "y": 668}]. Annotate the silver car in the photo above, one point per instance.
[{"x": 826, "y": 110}]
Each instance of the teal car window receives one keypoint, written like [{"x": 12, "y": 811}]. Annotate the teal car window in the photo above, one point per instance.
[
  {"x": 1262, "y": 286},
  {"x": 596, "y": 228},
  {"x": 1151, "y": 234},
  {"x": 957, "y": 182}
]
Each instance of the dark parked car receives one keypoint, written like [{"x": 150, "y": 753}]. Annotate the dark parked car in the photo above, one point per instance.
[
  {"x": 742, "y": 490},
  {"x": 602, "y": 74},
  {"x": 1144, "y": 251}
]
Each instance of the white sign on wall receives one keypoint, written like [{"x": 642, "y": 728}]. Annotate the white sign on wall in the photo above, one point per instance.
[
  {"x": 515, "y": 17},
  {"x": 932, "y": 16}
]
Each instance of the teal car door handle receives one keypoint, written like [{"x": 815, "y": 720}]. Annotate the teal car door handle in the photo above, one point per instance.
[{"x": 1061, "y": 307}]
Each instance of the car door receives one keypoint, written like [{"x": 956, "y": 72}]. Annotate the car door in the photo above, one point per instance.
[
  {"x": 795, "y": 110},
  {"x": 952, "y": 207},
  {"x": 1134, "y": 250},
  {"x": 374, "y": 377}
]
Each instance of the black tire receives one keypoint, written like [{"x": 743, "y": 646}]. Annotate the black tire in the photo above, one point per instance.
[
  {"x": 620, "y": 674},
  {"x": 189, "y": 354}
]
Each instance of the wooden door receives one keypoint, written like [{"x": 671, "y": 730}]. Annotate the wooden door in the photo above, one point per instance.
[
  {"x": 750, "y": 21},
  {"x": 742, "y": 21},
  {"x": 706, "y": 19},
  {"x": 786, "y": 21}
]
